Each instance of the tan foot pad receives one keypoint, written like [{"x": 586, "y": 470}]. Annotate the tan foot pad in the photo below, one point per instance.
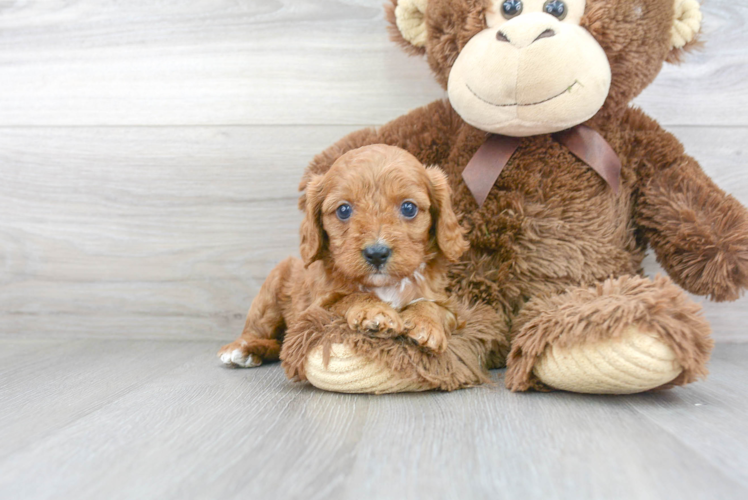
[
  {"x": 635, "y": 362},
  {"x": 350, "y": 373}
]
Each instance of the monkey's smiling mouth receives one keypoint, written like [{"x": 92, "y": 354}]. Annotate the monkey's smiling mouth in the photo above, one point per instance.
[{"x": 566, "y": 90}]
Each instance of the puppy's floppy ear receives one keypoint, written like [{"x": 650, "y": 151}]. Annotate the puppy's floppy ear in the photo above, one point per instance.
[
  {"x": 312, "y": 233},
  {"x": 449, "y": 233}
]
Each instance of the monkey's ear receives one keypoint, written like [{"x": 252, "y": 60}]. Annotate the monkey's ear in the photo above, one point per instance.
[
  {"x": 449, "y": 234},
  {"x": 686, "y": 28},
  {"x": 312, "y": 233},
  {"x": 408, "y": 24}
]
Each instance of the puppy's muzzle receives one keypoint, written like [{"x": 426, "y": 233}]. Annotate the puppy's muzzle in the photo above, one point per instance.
[{"x": 377, "y": 255}]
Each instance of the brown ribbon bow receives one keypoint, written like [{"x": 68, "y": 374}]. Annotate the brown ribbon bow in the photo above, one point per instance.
[{"x": 586, "y": 144}]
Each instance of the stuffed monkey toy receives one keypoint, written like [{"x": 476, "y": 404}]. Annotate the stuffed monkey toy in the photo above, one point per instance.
[{"x": 562, "y": 186}]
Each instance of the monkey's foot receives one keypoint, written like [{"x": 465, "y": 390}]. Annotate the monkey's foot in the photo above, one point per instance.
[
  {"x": 323, "y": 350},
  {"x": 635, "y": 362},
  {"x": 622, "y": 336},
  {"x": 351, "y": 373}
]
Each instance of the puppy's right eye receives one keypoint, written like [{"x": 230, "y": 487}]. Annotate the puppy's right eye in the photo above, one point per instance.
[
  {"x": 409, "y": 209},
  {"x": 344, "y": 212}
]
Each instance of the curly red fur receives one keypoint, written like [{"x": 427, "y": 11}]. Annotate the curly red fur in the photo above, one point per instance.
[{"x": 402, "y": 297}]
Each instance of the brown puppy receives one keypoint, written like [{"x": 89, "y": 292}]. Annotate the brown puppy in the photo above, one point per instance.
[{"x": 378, "y": 233}]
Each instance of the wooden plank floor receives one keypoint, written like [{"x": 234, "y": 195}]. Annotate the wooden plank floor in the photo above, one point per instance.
[{"x": 143, "y": 419}]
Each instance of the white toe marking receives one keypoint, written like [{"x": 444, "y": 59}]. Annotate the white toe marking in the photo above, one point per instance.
[
  {"x": 238, "y": 359},
  {"x": 253, "y": 361}
]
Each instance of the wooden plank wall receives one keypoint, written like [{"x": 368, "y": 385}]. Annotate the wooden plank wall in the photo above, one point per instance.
[{"x": 150, "y": 151}]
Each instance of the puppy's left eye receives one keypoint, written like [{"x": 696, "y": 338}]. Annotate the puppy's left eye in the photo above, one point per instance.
[
  {"x": 409, "y": 209},
  {"x": 344, "y": 212}
]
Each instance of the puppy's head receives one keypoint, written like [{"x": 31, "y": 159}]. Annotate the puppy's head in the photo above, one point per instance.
[{"x": 377, "y": 215}]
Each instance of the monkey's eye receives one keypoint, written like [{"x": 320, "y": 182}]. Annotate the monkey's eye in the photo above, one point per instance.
[
  {"x": 409, "y": 209},
  {"x": 556, "y": 8},
  {"x": 511, "y": 8},
  {"x": 344, "y": 212}
]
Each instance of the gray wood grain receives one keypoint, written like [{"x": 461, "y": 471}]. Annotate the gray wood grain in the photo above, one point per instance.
[
  {"x": 56, "y": 384},
  {"x": 721, "y": 401},
  {"x": 168, "y": 232},
  {"x": 194, "y": 429},
  {"x": 245, "y": 62},
  {"x": 139, "y": 231}
]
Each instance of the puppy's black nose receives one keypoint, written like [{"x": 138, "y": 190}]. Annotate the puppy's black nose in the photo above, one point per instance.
[{"x": 377, "y": 255}]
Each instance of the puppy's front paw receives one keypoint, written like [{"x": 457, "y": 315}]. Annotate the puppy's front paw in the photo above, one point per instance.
[
  {"x": 428, "y": 333},
  {"x": 238, "y": 355},
  {"x": 376, "y": 318}
]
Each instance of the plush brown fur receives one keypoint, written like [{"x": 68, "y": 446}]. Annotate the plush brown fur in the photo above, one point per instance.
[
  {"x": 551, "y": 236},
  {"x": 403, "y": 299},
  {"x": 605, "y": 311},
  {"x": 473, "y": 347}
]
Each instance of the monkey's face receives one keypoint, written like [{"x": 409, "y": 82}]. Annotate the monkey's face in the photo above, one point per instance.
[
  {"x": 534, "y": 70},
  {"x": 526, "y": 67}
]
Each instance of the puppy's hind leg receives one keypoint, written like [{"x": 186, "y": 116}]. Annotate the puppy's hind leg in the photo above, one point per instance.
[{"x": 259, "y": 340}]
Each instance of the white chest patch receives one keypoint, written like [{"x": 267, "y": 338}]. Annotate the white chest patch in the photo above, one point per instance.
[
  {"x": 402, "y": 294},
  {"x": 393, "y": 295}
]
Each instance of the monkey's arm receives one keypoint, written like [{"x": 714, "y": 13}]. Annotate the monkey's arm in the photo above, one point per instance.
[
  {"x": 427, "y": 133},
  {"x": 699, "y": 233}
]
